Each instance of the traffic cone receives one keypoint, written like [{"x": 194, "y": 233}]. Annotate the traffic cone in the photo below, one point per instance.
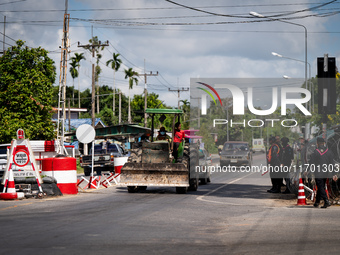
[
  {"x": 11, "y": 193},
  {"x": 301, "y": 194}
]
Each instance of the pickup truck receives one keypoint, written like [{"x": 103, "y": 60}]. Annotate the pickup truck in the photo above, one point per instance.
[{"x": 101, "y": 161}]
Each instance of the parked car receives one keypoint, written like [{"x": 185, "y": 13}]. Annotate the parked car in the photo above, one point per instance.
[
  {"x": 235, "y": 153},
  {"x": 3, "y": 157},
  {"x": 204, "y": 163},
  {"x": 102, "y": 161}
]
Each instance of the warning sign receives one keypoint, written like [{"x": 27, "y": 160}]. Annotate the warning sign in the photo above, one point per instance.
[
  {"x": 21, "y": 158},
  {"x": 21, "y": 155}
]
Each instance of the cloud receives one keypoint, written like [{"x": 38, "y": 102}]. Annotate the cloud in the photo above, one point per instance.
[{"x": 177, "y": 52}]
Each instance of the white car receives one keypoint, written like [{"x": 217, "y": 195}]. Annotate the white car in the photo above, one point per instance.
[{"x": 3, "y": 157}]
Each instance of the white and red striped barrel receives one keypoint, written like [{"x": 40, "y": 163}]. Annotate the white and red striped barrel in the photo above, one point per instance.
[
  {"x": 43, "y": 149},
  {"x": 64, "y": 170},
  {"x": 119, "y": 163}
]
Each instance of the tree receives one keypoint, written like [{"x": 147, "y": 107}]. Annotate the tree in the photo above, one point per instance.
[
  {"x": 137, "y": 104},
  {"x": 132, "y": 76},
  {"x": 186, "y": 113},
  {"x": 26, "y": 93},
  {"x": 78, "y": 57},
  {"x": 115, "y": 65},
  {"x": 74, "y": 74}
]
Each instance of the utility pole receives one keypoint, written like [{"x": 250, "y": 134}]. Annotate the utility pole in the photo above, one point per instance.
[
  {"x": 62, "y": 81},
  {"x": 93, "y": 48},
  {"x": 4, "y": 37},
  {"x": 146, "y": 91},
  {"x": 120, "y": 108},
  {"x": 179, "y": 90}
]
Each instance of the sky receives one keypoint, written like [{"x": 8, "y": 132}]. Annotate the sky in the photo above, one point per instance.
[{"x": 180, "y": 39}]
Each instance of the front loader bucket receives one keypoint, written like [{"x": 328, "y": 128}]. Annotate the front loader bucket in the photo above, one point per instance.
[{"x": 154, "y": 174}]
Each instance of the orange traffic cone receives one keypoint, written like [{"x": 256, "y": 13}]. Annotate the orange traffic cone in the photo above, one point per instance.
[
  {"x": 11, "y": 193},
  {"x": 301, "y": 194}
]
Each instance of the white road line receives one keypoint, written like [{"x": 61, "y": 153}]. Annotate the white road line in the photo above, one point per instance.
[{"x": 201, "y": 198}]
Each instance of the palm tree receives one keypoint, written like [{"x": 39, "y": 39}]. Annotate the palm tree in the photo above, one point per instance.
[
  {"x": 115, "y": 65},
  {"x": 78, "y": 57},
  {"x": 132, "y": 76},
  {"x": 74, "y": 74},
  {"x": 185, "y": 108}
]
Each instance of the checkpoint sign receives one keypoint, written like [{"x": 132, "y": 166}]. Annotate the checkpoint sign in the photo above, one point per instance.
[
  {"x": 85, "y": 133},
  {"x": 21, "y": 158}
]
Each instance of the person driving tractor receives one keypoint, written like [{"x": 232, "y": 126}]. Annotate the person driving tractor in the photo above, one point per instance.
[{"x": 162, "y": 135}]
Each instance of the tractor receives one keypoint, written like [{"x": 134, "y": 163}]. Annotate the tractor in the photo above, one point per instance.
[{"x": 151, "y": 163}]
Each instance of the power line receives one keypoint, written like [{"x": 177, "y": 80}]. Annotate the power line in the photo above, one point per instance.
[
  {"x": 250, "y": 20},
  {"x": 158, "y": 8},
  {"x": 236, "y": 16},
  {"x": 179, "y": 90},
  {"x": 13, "y": 2},
  {"x": 6, "y": 43}
]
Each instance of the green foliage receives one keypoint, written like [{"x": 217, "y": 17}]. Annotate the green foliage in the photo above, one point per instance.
[
  {"x": 106, "y": 116},
  {"x": 185, "y": 118},
  {"x": 137, "y": 106},
  {"x": 26, "y": 92}
]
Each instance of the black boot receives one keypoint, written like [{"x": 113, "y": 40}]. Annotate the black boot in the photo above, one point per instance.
[
  {"x": 286, "y": 191},
  {"x": 277, "y": 189},
  {"x": 316, "y": 204},
  {"x": 270, "y": 190},
  {"x": 326, "y": 204}
]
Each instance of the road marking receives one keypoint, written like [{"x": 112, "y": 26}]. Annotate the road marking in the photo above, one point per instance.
[
  {"x": 15, "y": 206},
  {"x": 201, "y": 198}
]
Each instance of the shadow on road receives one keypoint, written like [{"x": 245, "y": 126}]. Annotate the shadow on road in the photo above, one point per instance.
[
  {"x": 245, "y": 191},
  {"x": 249, "y": 191}
]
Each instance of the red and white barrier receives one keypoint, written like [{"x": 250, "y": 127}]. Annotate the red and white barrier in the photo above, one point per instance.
[
  {"x": 119, "y": 163},
  {"x": 105, "y": 180},
  {"x": 64, "y": 170}
]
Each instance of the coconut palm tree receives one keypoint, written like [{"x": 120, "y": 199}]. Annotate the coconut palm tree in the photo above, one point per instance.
[
  {"x": 78, "y": 57},
  {"x": 115, "y": 65},
  {"x": 74, "y": 74},
  {"x": 132, "y": 76},
  {"x": 185, "y": 108}
]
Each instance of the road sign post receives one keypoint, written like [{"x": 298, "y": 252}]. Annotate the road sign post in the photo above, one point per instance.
[{"x": 86, "y": 134}]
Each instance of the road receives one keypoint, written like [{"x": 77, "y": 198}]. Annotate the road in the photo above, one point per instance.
[{"x": 232, "y": 215}]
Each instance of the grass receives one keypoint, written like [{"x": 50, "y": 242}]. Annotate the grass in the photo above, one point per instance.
[{"x": 80, "y": 170}]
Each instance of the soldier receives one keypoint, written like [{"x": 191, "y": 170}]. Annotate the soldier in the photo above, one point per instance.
[
  {"x": 320, "y": 161},
  {"x": 287, "y": 157},
  {"x": 274, "y": 161},
  {"x": 278, "y": 142}
]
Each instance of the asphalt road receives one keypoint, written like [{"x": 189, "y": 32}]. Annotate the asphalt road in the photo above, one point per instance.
[{"x": 232, "y": 215}]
